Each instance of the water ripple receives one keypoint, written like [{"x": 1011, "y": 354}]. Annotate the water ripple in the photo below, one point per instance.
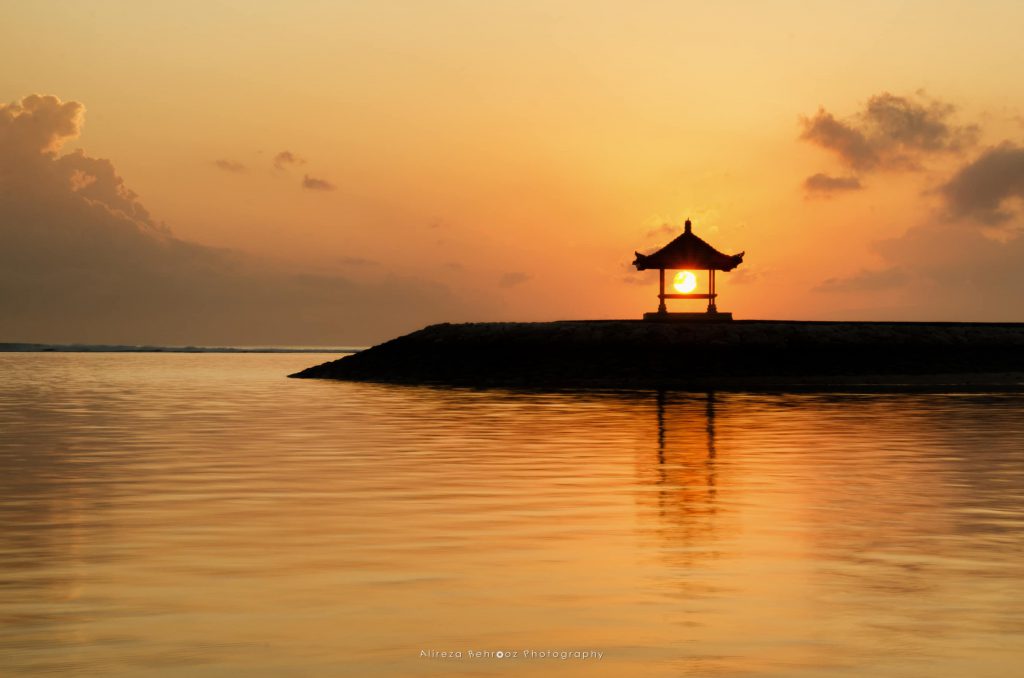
[{"x": 171, "y": 514}]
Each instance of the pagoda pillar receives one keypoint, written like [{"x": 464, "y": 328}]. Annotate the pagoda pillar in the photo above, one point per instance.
[
  {"x": 712, "y": 306},
  {"x": 661, "y": 291}
]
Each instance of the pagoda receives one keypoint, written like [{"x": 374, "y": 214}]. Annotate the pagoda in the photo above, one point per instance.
[{"x": 687, "y": 254}]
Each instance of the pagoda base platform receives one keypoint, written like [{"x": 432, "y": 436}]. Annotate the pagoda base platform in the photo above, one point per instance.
[{"x": 706, "y": 317}]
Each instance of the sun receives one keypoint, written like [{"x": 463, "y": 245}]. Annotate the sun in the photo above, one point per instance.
[{"x": 685, "y": 282}]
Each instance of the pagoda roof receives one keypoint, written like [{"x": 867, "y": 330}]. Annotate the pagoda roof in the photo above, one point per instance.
[{"x": 688, "y": 251}]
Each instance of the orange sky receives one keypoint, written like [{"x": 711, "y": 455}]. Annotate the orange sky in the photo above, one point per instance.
[{"x": 503, "y": 160}]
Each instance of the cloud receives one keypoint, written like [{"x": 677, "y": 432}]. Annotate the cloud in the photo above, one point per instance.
[
  {"x": 664, "y": 230},
  {"x": 892, "y": 132},
  {"x": 823, "y": 184},
  {"x": 866, "y": 280},
  {"x": 952, "y": 264},
  {"x": 944, "y": 269},
  {"x": 746, "y": 276},
  {"x": 846, "y": 141},
  {"x": 230, "y": 166},
  {"x": 631, "y": 276},
  {"x": 314, "y": 184},
  {"x": 512, "y": 278},
  {"x": 959, "y": 273},
  {"x": 921, "y": 125},
  {"x": 286, "y": 159},
  {"x": 982, "y": 188},
  {"x": 83, "y": 261},
  {"x": 39, "y": 124},
  {"x": 356, "y": 261},
  {"x": 941, "y": 271}
]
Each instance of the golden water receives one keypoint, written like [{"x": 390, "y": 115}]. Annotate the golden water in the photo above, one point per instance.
[{"x": 201, "y": 515}]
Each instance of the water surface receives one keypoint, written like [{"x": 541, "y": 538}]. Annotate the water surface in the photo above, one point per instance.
[{"x": 165, "y": 515}]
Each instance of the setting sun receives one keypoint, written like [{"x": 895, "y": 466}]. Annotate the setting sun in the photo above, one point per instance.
[{"x": 685, "y": 282}]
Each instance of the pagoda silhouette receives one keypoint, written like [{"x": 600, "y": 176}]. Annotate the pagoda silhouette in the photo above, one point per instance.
[{"x": 688, "y": 253}]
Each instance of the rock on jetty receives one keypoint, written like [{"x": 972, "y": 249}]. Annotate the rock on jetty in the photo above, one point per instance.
[{"x": 742, "y": 355}]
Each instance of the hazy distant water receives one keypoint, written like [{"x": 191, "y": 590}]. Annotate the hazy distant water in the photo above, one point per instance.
[{"x": 202, "y": 515}]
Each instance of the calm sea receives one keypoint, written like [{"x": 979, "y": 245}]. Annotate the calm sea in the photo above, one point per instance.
[{"x": 202, "y": 515}]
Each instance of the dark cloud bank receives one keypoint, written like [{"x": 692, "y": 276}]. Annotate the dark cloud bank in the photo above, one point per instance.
[
  {"x": 83, "y": 261},
  {"x": 986, "y": 188},
  {"x": 964, "y": 259}
]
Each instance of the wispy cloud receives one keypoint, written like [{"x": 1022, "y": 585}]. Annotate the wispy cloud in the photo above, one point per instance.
[
  {"x": 286, "y": 159},
  {"x": 512, "y": 278},
  {"x": 229, "y": 166},
  {"x": 865, "y": 281},
  {"x": 314, "y": 184},
  {"x": 746, "y": 275},
  {"x": 825, "y": 185},
  {"x": 356, "y": 261},
  {"x": 664, "y": 230}
]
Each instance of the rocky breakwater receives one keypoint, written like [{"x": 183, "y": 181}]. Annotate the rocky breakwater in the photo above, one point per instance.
[{"x": 742, "y": 354}]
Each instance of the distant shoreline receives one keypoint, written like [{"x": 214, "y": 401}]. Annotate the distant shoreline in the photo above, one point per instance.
[
  {"x": 125, "y": 348},
  {"x": 740, "y": 355}
]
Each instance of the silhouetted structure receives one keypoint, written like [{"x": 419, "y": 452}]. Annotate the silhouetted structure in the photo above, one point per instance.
[{"x": 688, "y": 252}]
